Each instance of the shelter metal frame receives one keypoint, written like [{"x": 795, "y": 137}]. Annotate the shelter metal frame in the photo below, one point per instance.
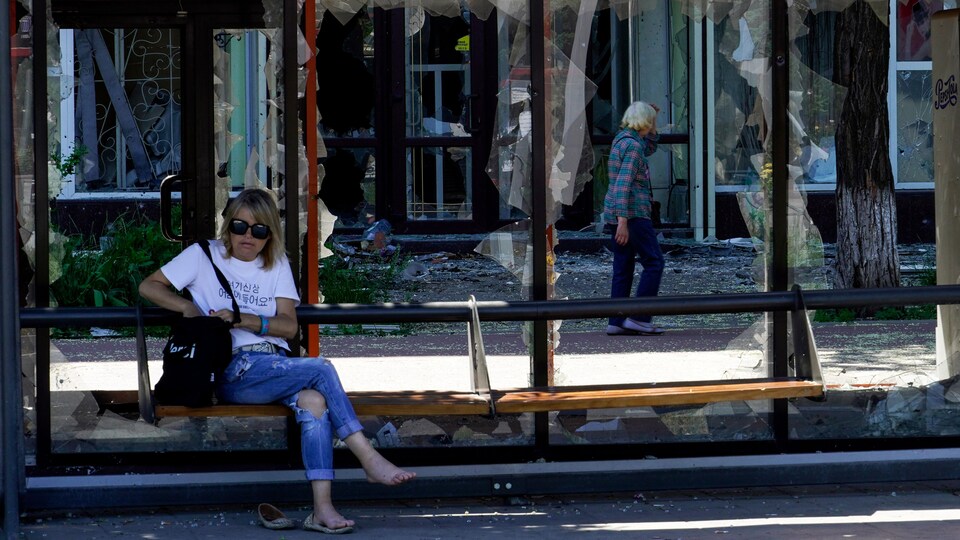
[{"x": 43, "y": 491}]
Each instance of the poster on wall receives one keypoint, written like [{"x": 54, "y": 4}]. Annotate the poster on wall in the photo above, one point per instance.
[{"x": 946, "y": 131}]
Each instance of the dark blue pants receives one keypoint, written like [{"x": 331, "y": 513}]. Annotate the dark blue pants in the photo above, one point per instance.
[{"x": 643, "y": 245}]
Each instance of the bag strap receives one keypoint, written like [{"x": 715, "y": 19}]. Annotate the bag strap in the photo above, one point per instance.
[{"x": 205, "y": 246}]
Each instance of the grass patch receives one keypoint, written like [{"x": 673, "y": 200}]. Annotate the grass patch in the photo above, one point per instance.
[
  {"x": 347, "y": 280},
  {"x": 835, "y": 315},
  {"x": 922, "y": 278},
  {"x": 905, "y": 313},
  {"x": 356, "y": 281}
]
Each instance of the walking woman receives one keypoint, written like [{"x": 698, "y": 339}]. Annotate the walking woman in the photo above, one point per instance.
[{"x": 627, "y": 215}]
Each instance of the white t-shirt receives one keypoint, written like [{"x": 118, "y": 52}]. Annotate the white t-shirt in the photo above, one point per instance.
[{"x": 255, "y": 289}]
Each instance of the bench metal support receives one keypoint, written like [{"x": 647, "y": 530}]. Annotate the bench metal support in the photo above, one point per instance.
[
  {"x": 805, "y": 357},
  {"x": 144, "y": 393},
  {"x": 478, "y": 356}
]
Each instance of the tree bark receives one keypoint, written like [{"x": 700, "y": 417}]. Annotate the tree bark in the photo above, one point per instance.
[{"x": 866, "y": 206}]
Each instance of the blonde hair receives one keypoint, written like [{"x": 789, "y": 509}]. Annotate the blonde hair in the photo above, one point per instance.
[
  {"x": 262, "y": 204},
  {"x": 639, "y": 116}
]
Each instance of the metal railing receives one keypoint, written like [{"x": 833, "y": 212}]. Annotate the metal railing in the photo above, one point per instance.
[
  {"x": 530, "y": 310},
  {"x": 796, "y": 302}
]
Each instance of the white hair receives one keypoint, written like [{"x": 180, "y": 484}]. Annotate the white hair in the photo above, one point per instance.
[{"x": 639, "y": 116}]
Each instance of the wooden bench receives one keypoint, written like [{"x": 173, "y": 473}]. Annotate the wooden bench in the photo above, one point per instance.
[
  {"x": 481, "y": 400},
  {"x": 567, "y": 398},
  {"x": 402, "y": 403},
  {"x": 807, "y": 383}
]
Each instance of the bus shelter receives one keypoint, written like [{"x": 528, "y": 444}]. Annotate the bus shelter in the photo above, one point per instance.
[{"x": 490, "y": 119}]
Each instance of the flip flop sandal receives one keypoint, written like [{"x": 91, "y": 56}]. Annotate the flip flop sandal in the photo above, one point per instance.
[
  {"x": 272, "y": 518},
  {"x": 309, "y": 525}
]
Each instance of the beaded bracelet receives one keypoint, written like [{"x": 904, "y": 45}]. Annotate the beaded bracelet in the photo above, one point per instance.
[{"x": 264, "y": 326}]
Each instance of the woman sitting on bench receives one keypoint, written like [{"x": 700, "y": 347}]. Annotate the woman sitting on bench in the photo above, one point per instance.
[{"x": 250, "y": 254}]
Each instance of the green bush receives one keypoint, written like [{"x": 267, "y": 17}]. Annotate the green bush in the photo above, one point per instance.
[
  {"x": 927, "y": 277},
  {"x": 889, "y": 314},
  {"x": 110, "y": 277},
  {"x": 906, "y": 313},
  {"x": 835, "y": 315}
]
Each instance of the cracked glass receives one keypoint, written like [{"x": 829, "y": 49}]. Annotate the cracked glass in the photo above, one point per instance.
[
  {"x": 707, "y": 67},
  {"x": 90, "y": 377}
]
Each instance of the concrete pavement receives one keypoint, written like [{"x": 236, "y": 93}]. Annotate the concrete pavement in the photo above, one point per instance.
[{"x": 872, "y": 511}]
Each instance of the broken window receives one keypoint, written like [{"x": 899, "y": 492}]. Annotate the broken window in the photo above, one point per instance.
[{"x": 125, "y": 99}]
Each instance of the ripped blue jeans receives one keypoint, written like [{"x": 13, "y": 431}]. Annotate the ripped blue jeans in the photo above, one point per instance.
[{"x": 256, "y": 377}]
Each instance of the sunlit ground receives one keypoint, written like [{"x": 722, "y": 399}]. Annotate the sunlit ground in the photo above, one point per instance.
[{"x": 731, "y": 525}]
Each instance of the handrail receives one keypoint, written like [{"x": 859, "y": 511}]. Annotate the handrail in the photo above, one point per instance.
[
  {"x": 531, "y": 310},
  {"x": 805, "y": 359}
]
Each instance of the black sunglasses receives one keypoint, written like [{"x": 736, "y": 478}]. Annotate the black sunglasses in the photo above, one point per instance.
[{"x": 239, "y": 227}]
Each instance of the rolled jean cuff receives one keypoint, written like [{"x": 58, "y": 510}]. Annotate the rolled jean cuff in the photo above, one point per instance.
[
  {"x": 349, "y": 428},
  {"x": 319, "y": 474}
]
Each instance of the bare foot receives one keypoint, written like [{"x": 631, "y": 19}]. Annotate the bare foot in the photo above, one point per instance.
[
  {"x": 328, "y": 516},
  {"x": 381, "y": 471},
  {"x": 377, "y": 468}
]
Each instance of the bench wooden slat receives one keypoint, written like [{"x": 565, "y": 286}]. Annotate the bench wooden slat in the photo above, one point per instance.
[
  {"x": 644, "y": 395},
  {"x": 419, "y": 403},
  {"x": 521, "y": 400},
  {"x": 364, "y": 403},
  {"x": 272, "y": 409}
]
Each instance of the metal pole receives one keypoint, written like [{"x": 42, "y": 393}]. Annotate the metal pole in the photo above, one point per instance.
[
  {"x": 779, "y": 271},
  {"x": 10, "y": 416},
  {"x": 291, "y": 164},
  {"x": 311, "y": 255},
  {"x": 538, "y": 221},
  {"x": 41, "y": 207},
  {"x": 291, "y": 139}
]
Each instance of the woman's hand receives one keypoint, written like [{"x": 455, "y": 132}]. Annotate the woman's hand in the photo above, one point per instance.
[
  {"x": 227, "y": 316},
  {"x": 622, "y": 236},
  {"x": 283, "y": 324},
  {"x": 248, "y": 321}
]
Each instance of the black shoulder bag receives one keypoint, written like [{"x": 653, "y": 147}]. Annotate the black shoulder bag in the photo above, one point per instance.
[{"x": 198, "y": 351}]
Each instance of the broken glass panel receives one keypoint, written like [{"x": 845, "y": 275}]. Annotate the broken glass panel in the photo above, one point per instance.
[
  {"x": 437, "y": 72},
  {"x": 87, "y": 376},
  {"x": 438, "y": 105},
  {"x": 914, "y": 126},
  {"x": 347, "y": 106},
  {"x": 437, "y": 362},
  {"x": 240, "y": 108},
  {"x": 348, "y": 187},
  {"x": 439, "y": 183},
  {"x": 126, "y": 101},
  {"x": 23, "y": 125},
  {"x": 903, "y": 398}
]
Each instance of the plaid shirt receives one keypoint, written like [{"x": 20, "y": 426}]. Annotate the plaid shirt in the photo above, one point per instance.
[{"x": 630, "y": 192}]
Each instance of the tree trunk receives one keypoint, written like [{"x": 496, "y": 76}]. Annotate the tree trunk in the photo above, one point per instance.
[{"x": 866, "y": 206}]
